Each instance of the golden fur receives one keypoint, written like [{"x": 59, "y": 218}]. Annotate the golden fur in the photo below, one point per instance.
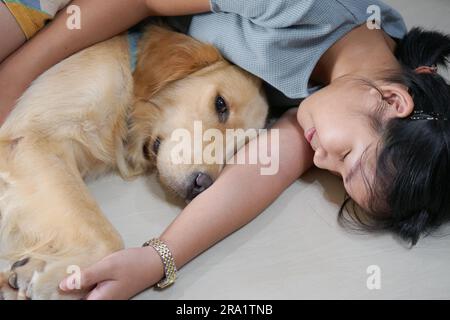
[{"x": 87, "y": 116}]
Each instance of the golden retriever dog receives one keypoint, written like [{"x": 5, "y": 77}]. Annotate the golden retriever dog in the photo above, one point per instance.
[{"x": 91, "y": 115}]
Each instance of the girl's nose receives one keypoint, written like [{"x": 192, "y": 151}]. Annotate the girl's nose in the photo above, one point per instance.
[
  {"x": 320, "y": 158},
  {"x": 326, "y": 161},
  {"x": 321, "y": 153}
]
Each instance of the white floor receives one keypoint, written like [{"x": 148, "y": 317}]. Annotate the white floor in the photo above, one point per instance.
[{"x": 295, "y": 249}]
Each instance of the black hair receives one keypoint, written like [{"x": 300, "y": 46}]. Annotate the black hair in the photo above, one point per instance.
[{"x": 410, "y": 194}]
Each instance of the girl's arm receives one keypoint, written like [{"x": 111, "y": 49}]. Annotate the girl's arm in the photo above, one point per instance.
[
  {"x": 12, "y": 37},
  {"x": 237, "y": 197},
  {"x": 100, "y": 20}
]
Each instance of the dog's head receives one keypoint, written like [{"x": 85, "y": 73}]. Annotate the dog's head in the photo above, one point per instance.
[{"x": 188, "y": 99}]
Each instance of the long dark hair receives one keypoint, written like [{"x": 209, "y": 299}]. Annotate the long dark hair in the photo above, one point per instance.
[{"x": 411, "y": 190}]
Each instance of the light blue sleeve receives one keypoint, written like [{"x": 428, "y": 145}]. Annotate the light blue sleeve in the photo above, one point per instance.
[
  {"x": 266, "y": 13},
  {"x": 281, "y": 41}
]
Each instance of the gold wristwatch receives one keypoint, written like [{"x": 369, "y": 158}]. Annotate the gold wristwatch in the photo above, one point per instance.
[{"x": 170, "y": 269}]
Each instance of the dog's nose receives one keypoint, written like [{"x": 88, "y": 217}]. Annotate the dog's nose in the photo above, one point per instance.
[{"x": 200, "y": 182}]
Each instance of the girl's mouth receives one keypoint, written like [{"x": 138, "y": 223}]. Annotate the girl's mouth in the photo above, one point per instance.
[{"x": 309, "y": 134}]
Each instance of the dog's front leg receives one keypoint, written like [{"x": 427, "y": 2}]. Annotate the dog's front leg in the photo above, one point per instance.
[{"x": 49, "y": 224}]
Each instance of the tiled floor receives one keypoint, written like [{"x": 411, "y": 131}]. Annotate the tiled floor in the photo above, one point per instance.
[{"x": 295, "y": 249}]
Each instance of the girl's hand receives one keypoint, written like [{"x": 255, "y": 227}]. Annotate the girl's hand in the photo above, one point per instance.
[{"x": 119, "y": 276}]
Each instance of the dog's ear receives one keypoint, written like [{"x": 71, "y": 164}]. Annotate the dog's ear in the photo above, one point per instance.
[{"x": 167, "y": 56}]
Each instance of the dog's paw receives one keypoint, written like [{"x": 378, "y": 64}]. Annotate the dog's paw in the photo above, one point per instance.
[
  {"x": 6, "y": 292},
  {"x": 15, "y": 283},
  {"x": 34, "y": 279}
]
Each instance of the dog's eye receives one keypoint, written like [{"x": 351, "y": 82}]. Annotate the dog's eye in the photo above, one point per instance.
[
  {"x": 146, "y": 150},
  {"x": 222, "y": 109},
  {"x": 156, "y": 145},
  {"x": 154, "y": 148}
]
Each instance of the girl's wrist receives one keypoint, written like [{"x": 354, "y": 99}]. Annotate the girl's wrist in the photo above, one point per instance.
[{"x": 153, "y": 267}]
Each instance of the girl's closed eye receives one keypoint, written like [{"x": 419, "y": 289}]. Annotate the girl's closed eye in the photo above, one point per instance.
[{"x": 345, "y": 156}]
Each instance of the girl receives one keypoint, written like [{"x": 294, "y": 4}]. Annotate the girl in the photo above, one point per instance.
[{"x": 375, "y": 112}]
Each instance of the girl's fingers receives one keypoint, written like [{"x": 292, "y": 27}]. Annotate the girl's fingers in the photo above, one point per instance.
[
  {"x": 104, "y": 291},
  {"x": 88, "y": 278}
]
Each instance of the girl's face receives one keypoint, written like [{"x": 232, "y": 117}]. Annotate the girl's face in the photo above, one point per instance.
[{"x": 337, "y": 123}]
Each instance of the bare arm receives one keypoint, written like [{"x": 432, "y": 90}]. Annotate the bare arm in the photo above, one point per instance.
[
  {"x": 101, "y": 19},
  {"x": 12, "y": 36}
]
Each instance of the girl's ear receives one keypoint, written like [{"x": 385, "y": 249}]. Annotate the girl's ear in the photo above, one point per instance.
[
  {"x": 167, "y": 56},
  {"x": 399, "y": 101}
]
